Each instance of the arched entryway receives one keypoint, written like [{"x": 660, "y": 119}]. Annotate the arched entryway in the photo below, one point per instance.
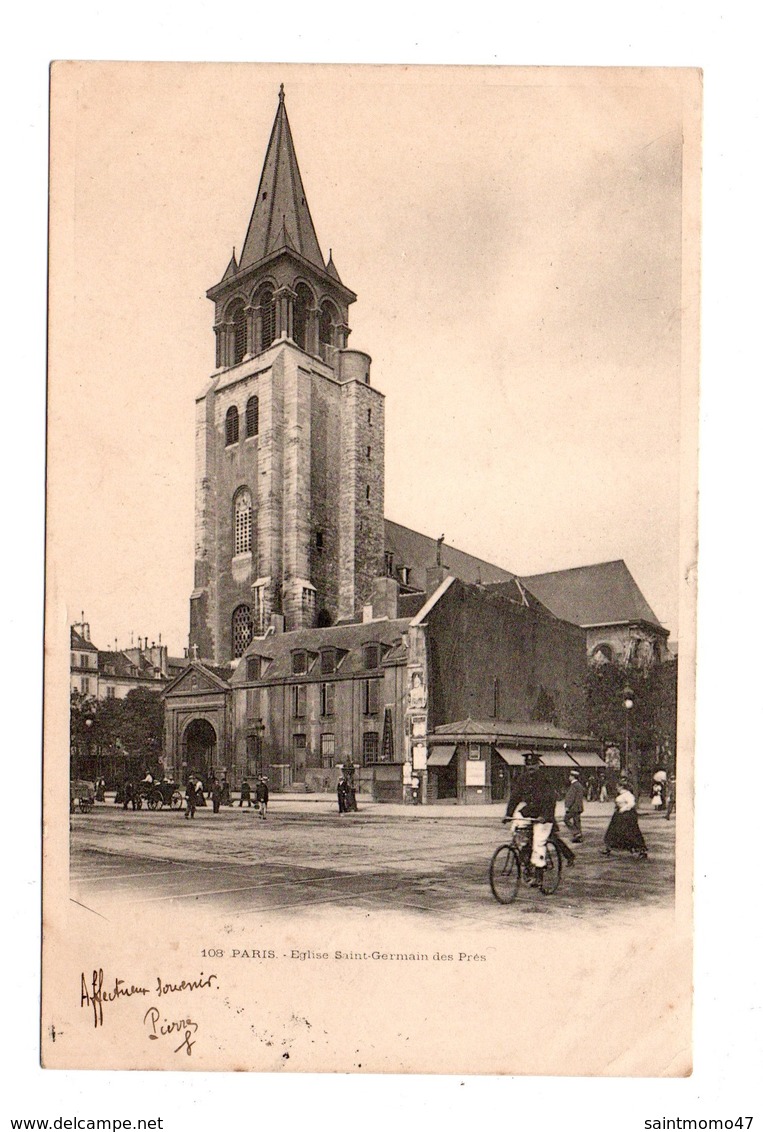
[{"x": 199, "y": 749}]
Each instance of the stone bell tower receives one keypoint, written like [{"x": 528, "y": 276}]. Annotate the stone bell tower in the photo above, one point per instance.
[{"x": 289, "y": 526}]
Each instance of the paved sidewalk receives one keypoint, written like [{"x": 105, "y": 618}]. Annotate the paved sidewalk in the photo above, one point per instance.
[{"x": 446, "y": 811}]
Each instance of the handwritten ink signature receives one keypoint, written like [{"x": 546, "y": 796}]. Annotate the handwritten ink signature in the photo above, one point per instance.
[
  {"x": 184, "y": 1026},
  {"x": 94, "y": 993}
]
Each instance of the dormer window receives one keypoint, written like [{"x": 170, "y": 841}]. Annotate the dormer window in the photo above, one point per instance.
[
  {"x": 299, "y": 662},
  {"x": 371, "y": 656},
  {"x": 328, "y": 661},
  {"x": 253, "y": 667}
]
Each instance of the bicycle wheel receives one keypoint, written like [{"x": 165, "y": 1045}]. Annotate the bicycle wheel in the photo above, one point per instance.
[
  {"x": 504, "y": 874},
  {"x": 553, "y": 870}
]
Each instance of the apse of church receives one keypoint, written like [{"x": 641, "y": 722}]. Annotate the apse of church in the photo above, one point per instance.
[{"x": 289, "y": 526}]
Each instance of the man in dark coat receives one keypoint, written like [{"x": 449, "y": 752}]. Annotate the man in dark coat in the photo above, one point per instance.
[
  {"x": 341, "y": 794},
  {"x": 573, "y": 806},
  {"x": 190, "y": 799},
  {"x": 217, "y": 794},
  {"x": 262, "y": 795}
]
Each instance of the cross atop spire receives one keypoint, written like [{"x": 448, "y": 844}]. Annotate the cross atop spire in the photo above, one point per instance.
[{"x": 281, "y": 204}]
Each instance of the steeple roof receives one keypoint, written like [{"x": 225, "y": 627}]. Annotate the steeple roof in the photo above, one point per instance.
[{"x": 281, "y": 217}]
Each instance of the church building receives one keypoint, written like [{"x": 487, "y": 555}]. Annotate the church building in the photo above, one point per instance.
[
  {"x": 289, "y": 435},
  {"x": 321, "y": 633}
]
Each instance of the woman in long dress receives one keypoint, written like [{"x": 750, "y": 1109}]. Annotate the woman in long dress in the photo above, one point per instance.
[{"x": 623, "y": 831}]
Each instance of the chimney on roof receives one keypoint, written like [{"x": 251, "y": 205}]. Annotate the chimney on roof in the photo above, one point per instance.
[
  {"x": 386, "y": 593},
  {"x": 277, "y": 622},
  {"x": 368, "y": 613},
  {"x": 436, "y": 575}
]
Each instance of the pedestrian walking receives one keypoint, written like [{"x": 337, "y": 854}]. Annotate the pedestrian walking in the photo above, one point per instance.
[
  {"x": 190, "y": 799},
  {"x": 341, "y": 794},
  {"x": 670, "y": 796},
  {"x": 217, "y": 794},
  {"x": 623, "y": 831},
  {"x": 262, "y": 795},
  {"x": 100, "y": 790},
  {"x": 574, "y": 805},
  {"x": 246, "y": 794},
  {"x": 351, "y": 803}
]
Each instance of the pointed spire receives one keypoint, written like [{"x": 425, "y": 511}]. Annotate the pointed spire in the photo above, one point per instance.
[
  {"x": 232, "y": 268},
  {"x": 331, "y": 267},
  {"x": 281, "y": 206}
]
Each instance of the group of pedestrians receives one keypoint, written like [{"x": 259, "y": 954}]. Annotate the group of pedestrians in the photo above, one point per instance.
[
  {"x": 219, "y": 793},
  {"x": 533, "y": 801}
]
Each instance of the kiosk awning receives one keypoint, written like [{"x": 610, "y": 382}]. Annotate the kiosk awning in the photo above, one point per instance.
[
  {"x": 513, "y": 758},
  {"x": 556, "y": 758},
  {"x": 441, "y": 756},
  {"x": 588, "y": 758}
]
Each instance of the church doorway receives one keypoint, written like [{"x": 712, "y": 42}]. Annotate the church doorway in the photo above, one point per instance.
[{"x": 200, "y": 749}]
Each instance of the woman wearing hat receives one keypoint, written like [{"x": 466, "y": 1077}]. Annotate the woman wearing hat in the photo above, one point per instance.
[{"x": 623, "y": 831}]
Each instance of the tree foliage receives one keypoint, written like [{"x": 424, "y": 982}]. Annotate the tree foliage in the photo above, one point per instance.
[
  {"x": 651, "y": 720},
  {"x": 128, "y": 729}
]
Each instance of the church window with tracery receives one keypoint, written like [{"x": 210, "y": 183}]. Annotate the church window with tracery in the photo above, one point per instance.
[
  {"x": 241, "y": 626},
  {"x": 242, "y": 522}
]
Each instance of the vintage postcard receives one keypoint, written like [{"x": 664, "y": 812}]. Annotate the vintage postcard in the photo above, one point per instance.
[{"x": 370, "y": 615}]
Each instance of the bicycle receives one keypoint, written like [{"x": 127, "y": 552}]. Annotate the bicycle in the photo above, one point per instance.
[{"x": 511, "y": 863}]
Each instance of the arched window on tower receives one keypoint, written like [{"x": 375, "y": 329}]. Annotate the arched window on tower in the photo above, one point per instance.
[
  {"x": 268, "y": 311},
  {"x": 231, "y": 426},
  {"x": 238, "y": 318},
  {"x": 326, "y": 329},
  {"x": 252, "y": 416},
  {"x": 242, "y": 521},
  {"x": 301, "y": 306},
  {"x": 241, "y": 630}
]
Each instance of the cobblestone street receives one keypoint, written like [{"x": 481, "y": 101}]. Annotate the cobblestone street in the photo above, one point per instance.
[{"x": 419, "y": 862}]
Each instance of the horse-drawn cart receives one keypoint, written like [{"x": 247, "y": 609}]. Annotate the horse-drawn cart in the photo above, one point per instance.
[{"x": 81, "y": 796}]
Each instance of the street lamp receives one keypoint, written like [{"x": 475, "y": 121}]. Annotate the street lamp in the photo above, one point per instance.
[
  {"x": 259, "y": 731},
  {"x": 628, "y": 706},
  {"x": 88, "y": 741}
]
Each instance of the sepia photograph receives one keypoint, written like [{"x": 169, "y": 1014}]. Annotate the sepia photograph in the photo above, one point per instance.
[{"x": 370, "y": 622}]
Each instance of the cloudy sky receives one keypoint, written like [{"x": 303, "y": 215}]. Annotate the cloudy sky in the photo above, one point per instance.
[{"x": 515, "y": 241}]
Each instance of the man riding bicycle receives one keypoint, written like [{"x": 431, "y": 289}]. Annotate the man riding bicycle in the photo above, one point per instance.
[{"x": 534, "y": 802}]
